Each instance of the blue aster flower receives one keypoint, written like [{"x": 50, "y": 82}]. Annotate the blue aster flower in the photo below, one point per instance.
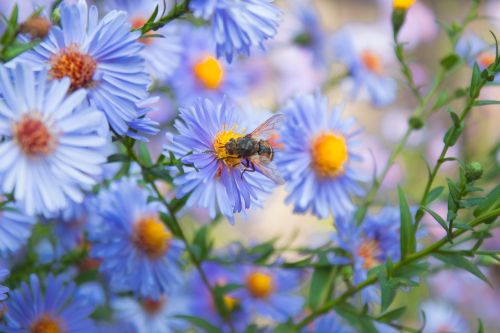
[
  {"x": 15, "y": 229},
  {"x": 215, "y": 181},
  {"x": 103, "y": 56},
  {"x": 48, "y": 308},
  {"x": 362, "y": 51},
  {"x": 238, "y": 26},
  {"x": 201, "y": 303},
  {"x": 137, "y": 251},
  {"x": 475, "y": 50},
  {"x": 162, "y": 54},
  {"x": 368, "y": 245},
  {"x": 152, "y": 316},
  {"x": 202, "y": 75},
  {"x": 318, "y": 157},
  {"x": 329, "y": 323},
  {"x": 50, "y": 148},
  {"x": 441, "y": 317},
  {"x": 269, "y": 292},
  {"x": 3, "y": 290},
  {"x": 310, "y": 35}
]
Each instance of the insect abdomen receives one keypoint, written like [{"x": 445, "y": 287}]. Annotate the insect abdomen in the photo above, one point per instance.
[{"x": 265, "y": 149}]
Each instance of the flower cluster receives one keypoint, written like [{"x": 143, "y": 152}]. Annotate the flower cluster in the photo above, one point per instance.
[{"x": 213, "y": 166}]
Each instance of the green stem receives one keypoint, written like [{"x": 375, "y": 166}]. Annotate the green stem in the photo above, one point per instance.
[
  {"x": 370, "y": 197},
  {"x": 409, "y": 259},
  {"x": 194, "y": 259},
  {"x": 177, "y": 11}
]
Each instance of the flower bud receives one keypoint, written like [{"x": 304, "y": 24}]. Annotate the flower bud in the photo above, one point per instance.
[
  {"x": 473, "y": 171},
  {"x": 36, "y": 27},
  {"x": 416, "y": 123}
]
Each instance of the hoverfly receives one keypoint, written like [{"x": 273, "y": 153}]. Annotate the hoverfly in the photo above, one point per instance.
[{"x": 256, "y": 149}]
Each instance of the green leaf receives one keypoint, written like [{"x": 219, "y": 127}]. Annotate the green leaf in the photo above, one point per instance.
[
  {"x": 491, "y": 200},
  {"x": 202, "y": 245},
  {"x": 200, "y": 323},
  {"x": 407, "y": 242},
  {"x": 144, "y": 155},
  {"x": 436, "y": 217},
  {"x": 434, "y": 194},
  {"x": 117, "y": 158},
  {"x": 481, "y": 327},
  {"x": 388, "y": 290},
  {"x": 475, "y": 84},
  {"x": 457, "y": 260},
  {"x": 450, "y": 61},
  {"x": 392, "y": 315},
  {"x": 321, "y": 283},
  {"x": 486, "y": 102},
  {"x": 352, "y": 316},
  {"x": 170, "y": 223}
]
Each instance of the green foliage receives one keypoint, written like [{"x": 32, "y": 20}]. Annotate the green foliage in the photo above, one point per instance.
[
  {"x": 458, "y": 260},
  {"x": 407, "y": 232}
]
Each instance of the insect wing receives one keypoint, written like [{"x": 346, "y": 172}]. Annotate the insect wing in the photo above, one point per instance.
[
  {"x": 264, "y": 166},
  {"x": 267, "y": 128}
]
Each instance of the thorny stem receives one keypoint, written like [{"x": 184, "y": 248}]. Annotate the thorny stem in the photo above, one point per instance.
[
  {"x": 192, "y": 255},
  {"x": 408, "y": 260}
]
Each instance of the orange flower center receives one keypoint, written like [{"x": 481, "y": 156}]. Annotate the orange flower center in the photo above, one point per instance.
[
  {"x": 485, "y": 59},
  {"x": 209, "y": 72},
  {"x": 372, "y": 61},
  {"x": 46, "y": 324},
  {"x": 152, "y": 237},
  {"x": 329, "y": 154},
  {"x": 72, "y": 63},
  {"x": 33, "y": 136},
  {"x": 153, "y": 306},
  {"x": 369, "y": 250},
  {"x": 37, "y": 27},
  {"x": 259, "y": 285}
]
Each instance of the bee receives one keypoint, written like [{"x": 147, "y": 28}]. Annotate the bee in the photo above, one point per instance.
[{"x": 256, "y": 149}]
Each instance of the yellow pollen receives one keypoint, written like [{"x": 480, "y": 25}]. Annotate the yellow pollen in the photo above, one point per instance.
[
  {"x": 485, "y": 59},
  {"x": 259, "y": 285},
  {"x": 152, "y": 237},
  {"x": 230, "y": 302},
  {"x": 79, "y": 67},
  {"x": 329, "y": 154},
  {"x": 403, "y": 4},
  {"x": 369, "y": 250},
  {"x": 46, "y": 324},
  {"x": 153, "y": 306},
  {"x": 220, "y": 141},
  {"x": 372, "y": 61},
  {"x": 33, "y": 136},
  {"x": 209, "y": 72}
]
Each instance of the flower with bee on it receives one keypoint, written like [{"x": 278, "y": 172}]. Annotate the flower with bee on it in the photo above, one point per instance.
[
  {"x": 214, "y": 178},
  {"x": 318, "y": 157}
]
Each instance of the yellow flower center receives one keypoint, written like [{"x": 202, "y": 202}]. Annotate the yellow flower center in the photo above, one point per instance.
[
  {"x": 329, "y": 154},
  {"x": 33, "y": 136},
  {"x": 46, "y": 324},
  {"x": 369, "y": 250},
  {"x": 79, "y": 67},
  {"x": 209, "y": 72},
  {"x": 372, "y": 61},
  {"x": 259, "y": 285},
  {"x": 403, "y": 4},
  {"x": 221, "y": 138},
  {"x": 485, "y": 59},
  {"x": 230, "y": 302},
  {"x": 152, "y": 237}
]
